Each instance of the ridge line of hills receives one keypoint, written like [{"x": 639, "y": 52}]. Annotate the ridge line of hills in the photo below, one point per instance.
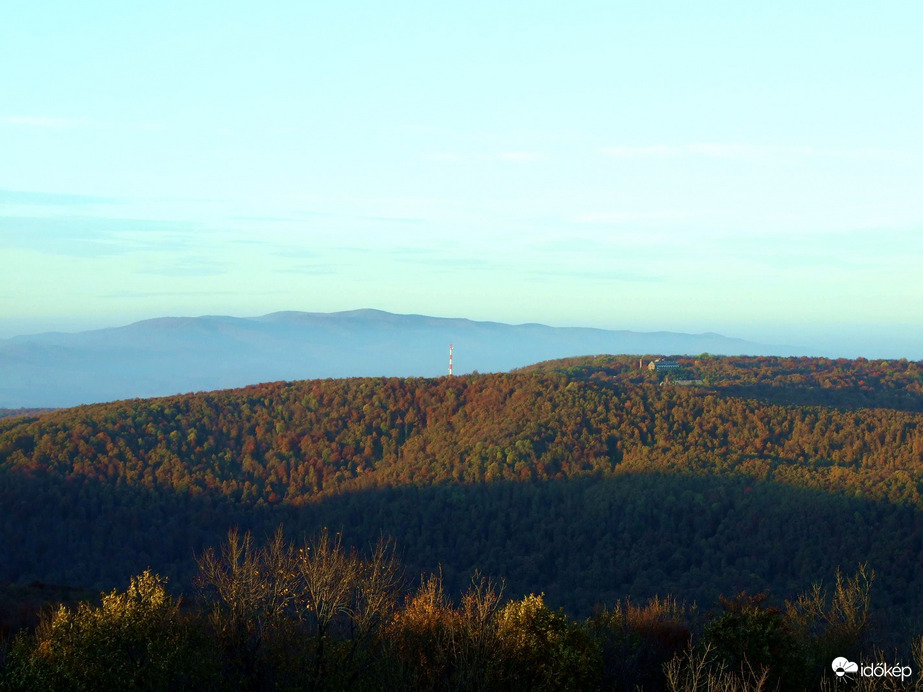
[{"x": 171, "y": 355}]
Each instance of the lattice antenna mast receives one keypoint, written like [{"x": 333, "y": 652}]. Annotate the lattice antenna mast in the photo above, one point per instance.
[{"x": 450, "y": 360}]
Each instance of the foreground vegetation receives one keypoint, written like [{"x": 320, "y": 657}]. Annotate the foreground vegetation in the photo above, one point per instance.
[{"x": 318, "y": 616}]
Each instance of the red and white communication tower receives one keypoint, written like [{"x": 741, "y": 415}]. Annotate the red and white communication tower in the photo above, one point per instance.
[{"x": 450, "y": 360}]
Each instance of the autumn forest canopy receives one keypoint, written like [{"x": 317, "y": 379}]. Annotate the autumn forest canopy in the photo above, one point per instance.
[{"x": 589, "y": 480}]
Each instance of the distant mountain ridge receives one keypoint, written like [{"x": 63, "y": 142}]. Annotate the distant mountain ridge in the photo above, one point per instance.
[{"x": 170, "y": 355}]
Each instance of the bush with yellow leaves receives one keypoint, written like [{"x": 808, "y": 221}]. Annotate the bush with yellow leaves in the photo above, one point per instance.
[{"x": 134, "y": 640}]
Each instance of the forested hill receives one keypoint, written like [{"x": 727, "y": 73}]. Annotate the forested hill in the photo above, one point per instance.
[
  {"x": 588, "y": 479},
  {"x": 860, "y": 383}
]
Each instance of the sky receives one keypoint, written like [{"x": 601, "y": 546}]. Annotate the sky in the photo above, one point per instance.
[{"x": 752, "y": 169}]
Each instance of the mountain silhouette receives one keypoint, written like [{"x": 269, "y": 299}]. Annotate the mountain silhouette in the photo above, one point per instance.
[{"x": 173, "y": 355}]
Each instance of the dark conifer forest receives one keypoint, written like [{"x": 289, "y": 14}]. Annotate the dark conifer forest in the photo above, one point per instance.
[{"x": 623, "y": 517}]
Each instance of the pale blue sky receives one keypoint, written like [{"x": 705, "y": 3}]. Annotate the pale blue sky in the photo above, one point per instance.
[{"x": 751, "y": 169}]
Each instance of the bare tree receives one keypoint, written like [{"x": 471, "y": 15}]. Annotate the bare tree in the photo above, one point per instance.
[
  {"x": 321, "y": 599},
  {"x": 697, "y": 670},
  {"x": 251, "y": 589},
  {"x": 344, "y": 599}
]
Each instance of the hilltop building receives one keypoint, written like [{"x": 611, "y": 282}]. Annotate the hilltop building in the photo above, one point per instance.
[{"x": 663, "y": 364}]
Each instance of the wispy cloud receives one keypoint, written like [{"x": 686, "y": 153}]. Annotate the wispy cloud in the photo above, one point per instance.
[
  {"x": 518, "y": 156},
  {"x": 426, "y": 129},
  {"x": 309, "y": 215},
  {"x": 285, "y": 250},
  {"x": 445, "y": 157},
  {"x": 574, "y": 244},
  {"x": 40, "y": 121},
  {"x": 582, "y": 274},
  {"x": 618, "y": 217},
  {"x": 312, "y": 269},
  {"x": 719, "y": 150},
  {"x": 656, "y": 151},
  {"x": 706, "y": 149},
  {"x": 89, "y": 236},
  {"x": 853, "y": 250},
  {"x": 456, "y": 262},
  {"x": 275, "y": 219},
  {"x": 53, "y": 199},
  {"x": 44, "y": 122},
  {"x": 737, "y": 150},
  {"x": 188, "y": 266},
  {"x": 164, "y": 294}
]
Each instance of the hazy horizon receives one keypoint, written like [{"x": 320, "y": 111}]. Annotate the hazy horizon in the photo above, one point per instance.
[
  {"x": 753, "y": 171},
  {"x": 882, "y": 348}
]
